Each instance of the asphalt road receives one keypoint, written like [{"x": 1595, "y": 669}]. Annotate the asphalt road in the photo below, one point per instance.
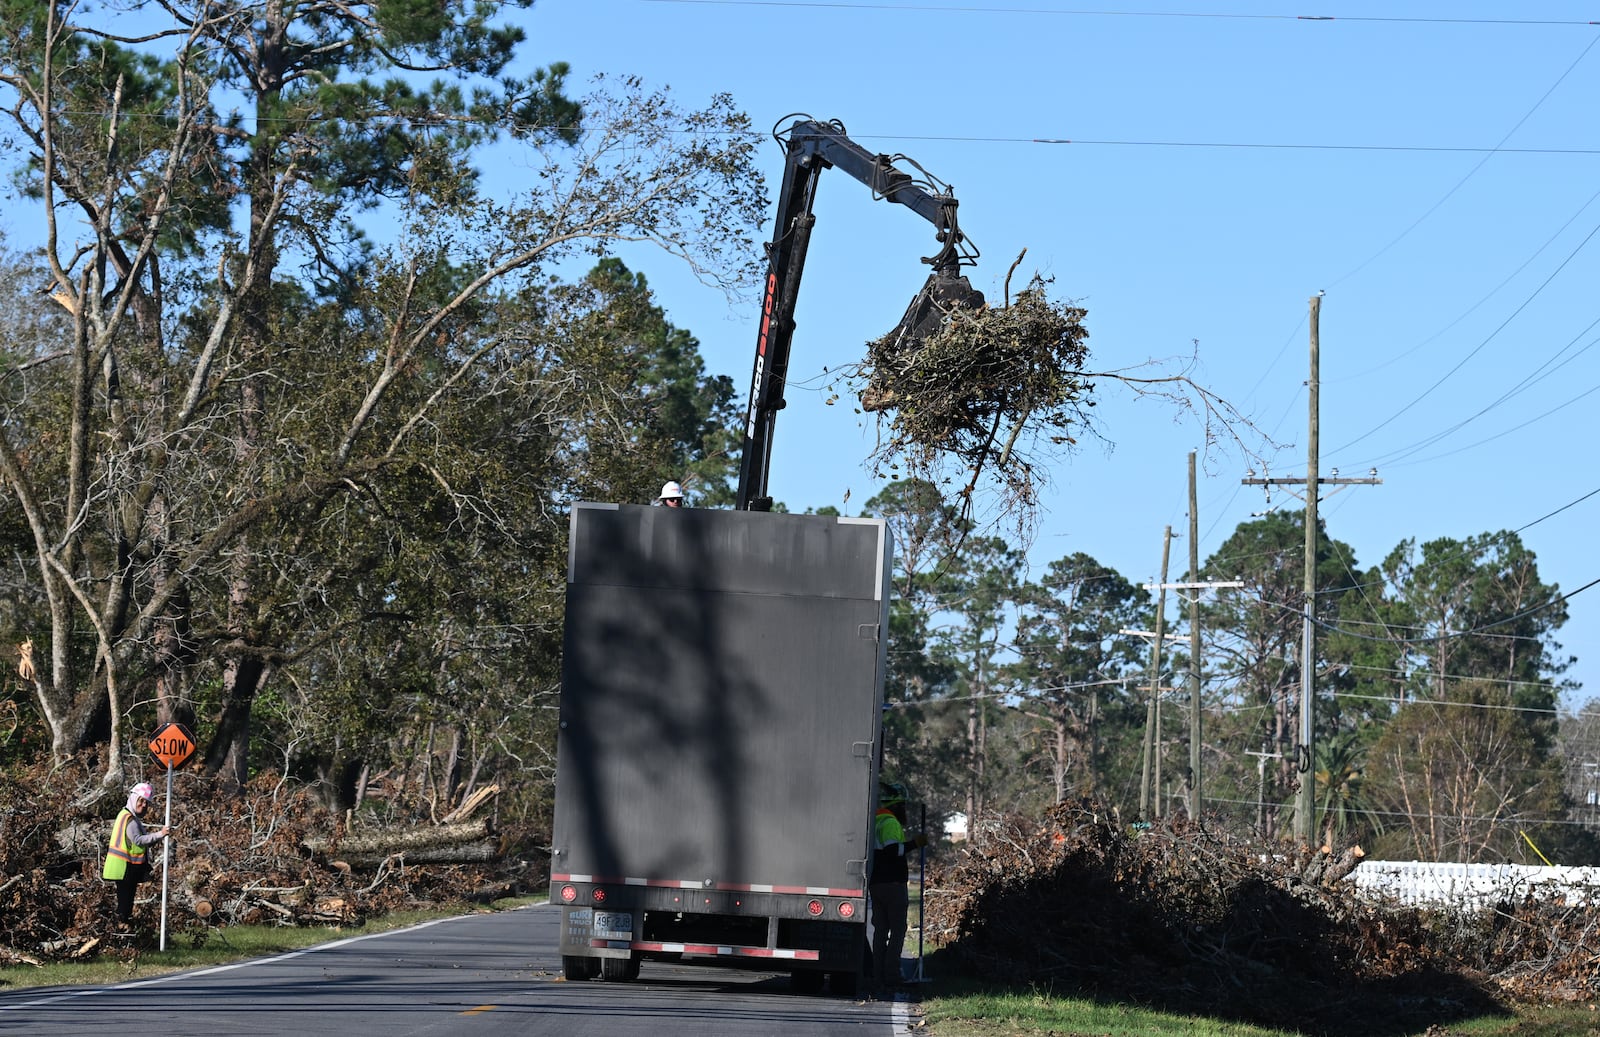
[{"x": 477, "y": 976}]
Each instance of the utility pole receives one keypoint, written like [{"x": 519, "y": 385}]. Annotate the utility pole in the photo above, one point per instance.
[
  {"x": 1196, "y": 586},
  {"x": 1262, "y": 756},
  {"x": 1195, "y": 792},
  {"x": 1305, "y": 751},
  {"x": 1152, "y": 723},
  {"x": 1305, "y": 804},
  {"x": 1153, "y": 714},
  {"x": 1152, "y": 718}
]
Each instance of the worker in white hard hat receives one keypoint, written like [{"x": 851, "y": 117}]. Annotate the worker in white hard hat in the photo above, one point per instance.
[
  {"x": 671, "y": 495},
  {"x": 127, "y": 856}
]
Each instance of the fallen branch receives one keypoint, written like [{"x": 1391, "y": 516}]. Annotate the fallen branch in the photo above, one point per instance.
[
  {"x": 11, "y": 955},
  {"x": 471, "y": 804}
]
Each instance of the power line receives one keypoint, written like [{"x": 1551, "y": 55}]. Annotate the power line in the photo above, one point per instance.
[
  {"x": 1363, "y": 376},
  {"x": 1453, "y": 704},
  {"x": 949, "y": 138},
  {"x": 1559, "y": 510},
  {"x": 1471, "y": 172},
  {"x": 1402, "y": 451},
  {"x": 1557, "y": 409},
  {"x": 1224, "y": 145},
  {"x": 1344, "y": 623},
  {"x": 1507, "y": 819},
  {"x": 1091, "y": 13},
  {"x": 1436, "y": 638}
]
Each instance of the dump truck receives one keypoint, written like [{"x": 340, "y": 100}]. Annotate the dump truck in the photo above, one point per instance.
[
  {"x": 722, "y": 674},
  {"x": 722, "y": 686}
]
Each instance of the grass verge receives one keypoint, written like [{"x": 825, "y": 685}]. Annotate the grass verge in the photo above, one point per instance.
[
  {"x": 966, "y": 1008},
  {"x": 199, "y": 948}
]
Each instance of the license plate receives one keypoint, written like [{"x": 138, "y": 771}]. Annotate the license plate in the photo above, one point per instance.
[{"x": 615, "y": 925}]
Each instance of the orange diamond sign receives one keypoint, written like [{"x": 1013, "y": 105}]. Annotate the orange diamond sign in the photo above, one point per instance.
[{"x": 173, "y": 745}]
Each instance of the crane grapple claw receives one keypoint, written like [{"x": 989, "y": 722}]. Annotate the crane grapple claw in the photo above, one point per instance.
[{"x": 945, "y": 292}]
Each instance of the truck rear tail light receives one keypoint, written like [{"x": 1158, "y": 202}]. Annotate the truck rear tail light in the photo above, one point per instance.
[
  {"x": 847, "y": 910},
  {"x": 599, "y": 895},
  {"x": 814, "y": 908},
  {"x": 569, "y": 894}
]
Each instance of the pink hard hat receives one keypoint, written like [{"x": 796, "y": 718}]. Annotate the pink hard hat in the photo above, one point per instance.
[{"x": 140, "y": 791}]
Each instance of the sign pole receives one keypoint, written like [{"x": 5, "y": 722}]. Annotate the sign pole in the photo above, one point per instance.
[
  {"x": 172, "y": 745},
  {"x": 166, "y": 859},
  {"x": 922, "y": 890}
]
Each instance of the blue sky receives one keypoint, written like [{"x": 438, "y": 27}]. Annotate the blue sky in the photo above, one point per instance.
[
  {"x": 1432, "y": 168},
  {"x": 1192, "y": 172}
]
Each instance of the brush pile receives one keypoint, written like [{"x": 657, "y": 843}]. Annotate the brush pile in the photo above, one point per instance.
[
  {"x": 1180, "y": 917},
  {"x": 270, "y": 853}
]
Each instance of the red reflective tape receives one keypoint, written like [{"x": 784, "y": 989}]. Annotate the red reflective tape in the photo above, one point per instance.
[
  {"x": 723, "y": 887},
  {"x": 717, "y": 950}
]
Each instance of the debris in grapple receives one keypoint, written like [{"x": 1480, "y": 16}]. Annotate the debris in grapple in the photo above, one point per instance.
[{"x": 978, "y": 382}]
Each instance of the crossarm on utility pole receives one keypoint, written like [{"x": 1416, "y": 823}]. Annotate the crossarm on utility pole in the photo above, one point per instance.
[{"x": 1305, "y": 751}]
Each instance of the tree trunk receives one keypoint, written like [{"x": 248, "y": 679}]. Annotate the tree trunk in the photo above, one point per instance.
[{"x": 229, "y": 755}]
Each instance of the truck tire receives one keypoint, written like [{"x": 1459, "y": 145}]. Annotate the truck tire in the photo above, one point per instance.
[
  {"x": 844, "y": 984},
  {"x": 576, "y": 968},
  {"x": 806, "y": 981},
  {"x": 619, "y": 970}
]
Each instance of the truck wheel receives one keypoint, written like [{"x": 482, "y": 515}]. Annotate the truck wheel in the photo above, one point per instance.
[
  {"x": 806, "y": 981},
  {"x": 619, "y": 970},
  {"x": 845, "y": 984},
  {"x": 576, "y": 968}
]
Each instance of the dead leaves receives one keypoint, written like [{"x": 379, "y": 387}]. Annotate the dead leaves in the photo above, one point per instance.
[{"x": 1181, "y": 915}]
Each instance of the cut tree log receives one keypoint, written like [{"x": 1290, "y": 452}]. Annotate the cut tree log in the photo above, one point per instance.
[
  {"x": 457, "y": 853},
  {"x": 1342, "y": 865},
  {"x": 383, "y": 844}
]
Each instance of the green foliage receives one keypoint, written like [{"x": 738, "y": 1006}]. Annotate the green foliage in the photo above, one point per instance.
[
  {"x": 327, "y": 472},
  {"x": 923, "y": 747},
  {"x": 1486, "y": 586},
  {"x": 1011, "y": 695},
  {"x": 1075, "y": 668},
  {"x": 685, "y": 423}
]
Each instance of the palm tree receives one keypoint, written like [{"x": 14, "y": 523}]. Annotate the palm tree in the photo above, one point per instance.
[{"x": 1338, "y": 777}]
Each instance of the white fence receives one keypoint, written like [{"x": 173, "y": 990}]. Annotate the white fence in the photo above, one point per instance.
[{"x": 1473, "y": 885}]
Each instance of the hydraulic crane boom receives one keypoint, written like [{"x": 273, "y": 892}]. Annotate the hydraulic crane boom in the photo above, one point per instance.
[{"x": 811, "y": 147}]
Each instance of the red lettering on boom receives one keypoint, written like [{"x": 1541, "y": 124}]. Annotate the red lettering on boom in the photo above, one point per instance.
[{"x": 766, "y": 314}]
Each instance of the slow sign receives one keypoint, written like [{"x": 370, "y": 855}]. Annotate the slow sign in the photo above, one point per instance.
[{"x": 173, "y": 745}]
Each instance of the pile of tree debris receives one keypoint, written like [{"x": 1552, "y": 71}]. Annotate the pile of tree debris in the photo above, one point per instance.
[
  {"x": 272, "y": 852},
  {"x": 1184, "y": 918}
]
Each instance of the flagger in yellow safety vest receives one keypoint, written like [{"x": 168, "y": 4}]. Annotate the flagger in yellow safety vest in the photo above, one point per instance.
[
  {"x": 127, "y": 854},
  {"x": 890, "y": 873}
]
